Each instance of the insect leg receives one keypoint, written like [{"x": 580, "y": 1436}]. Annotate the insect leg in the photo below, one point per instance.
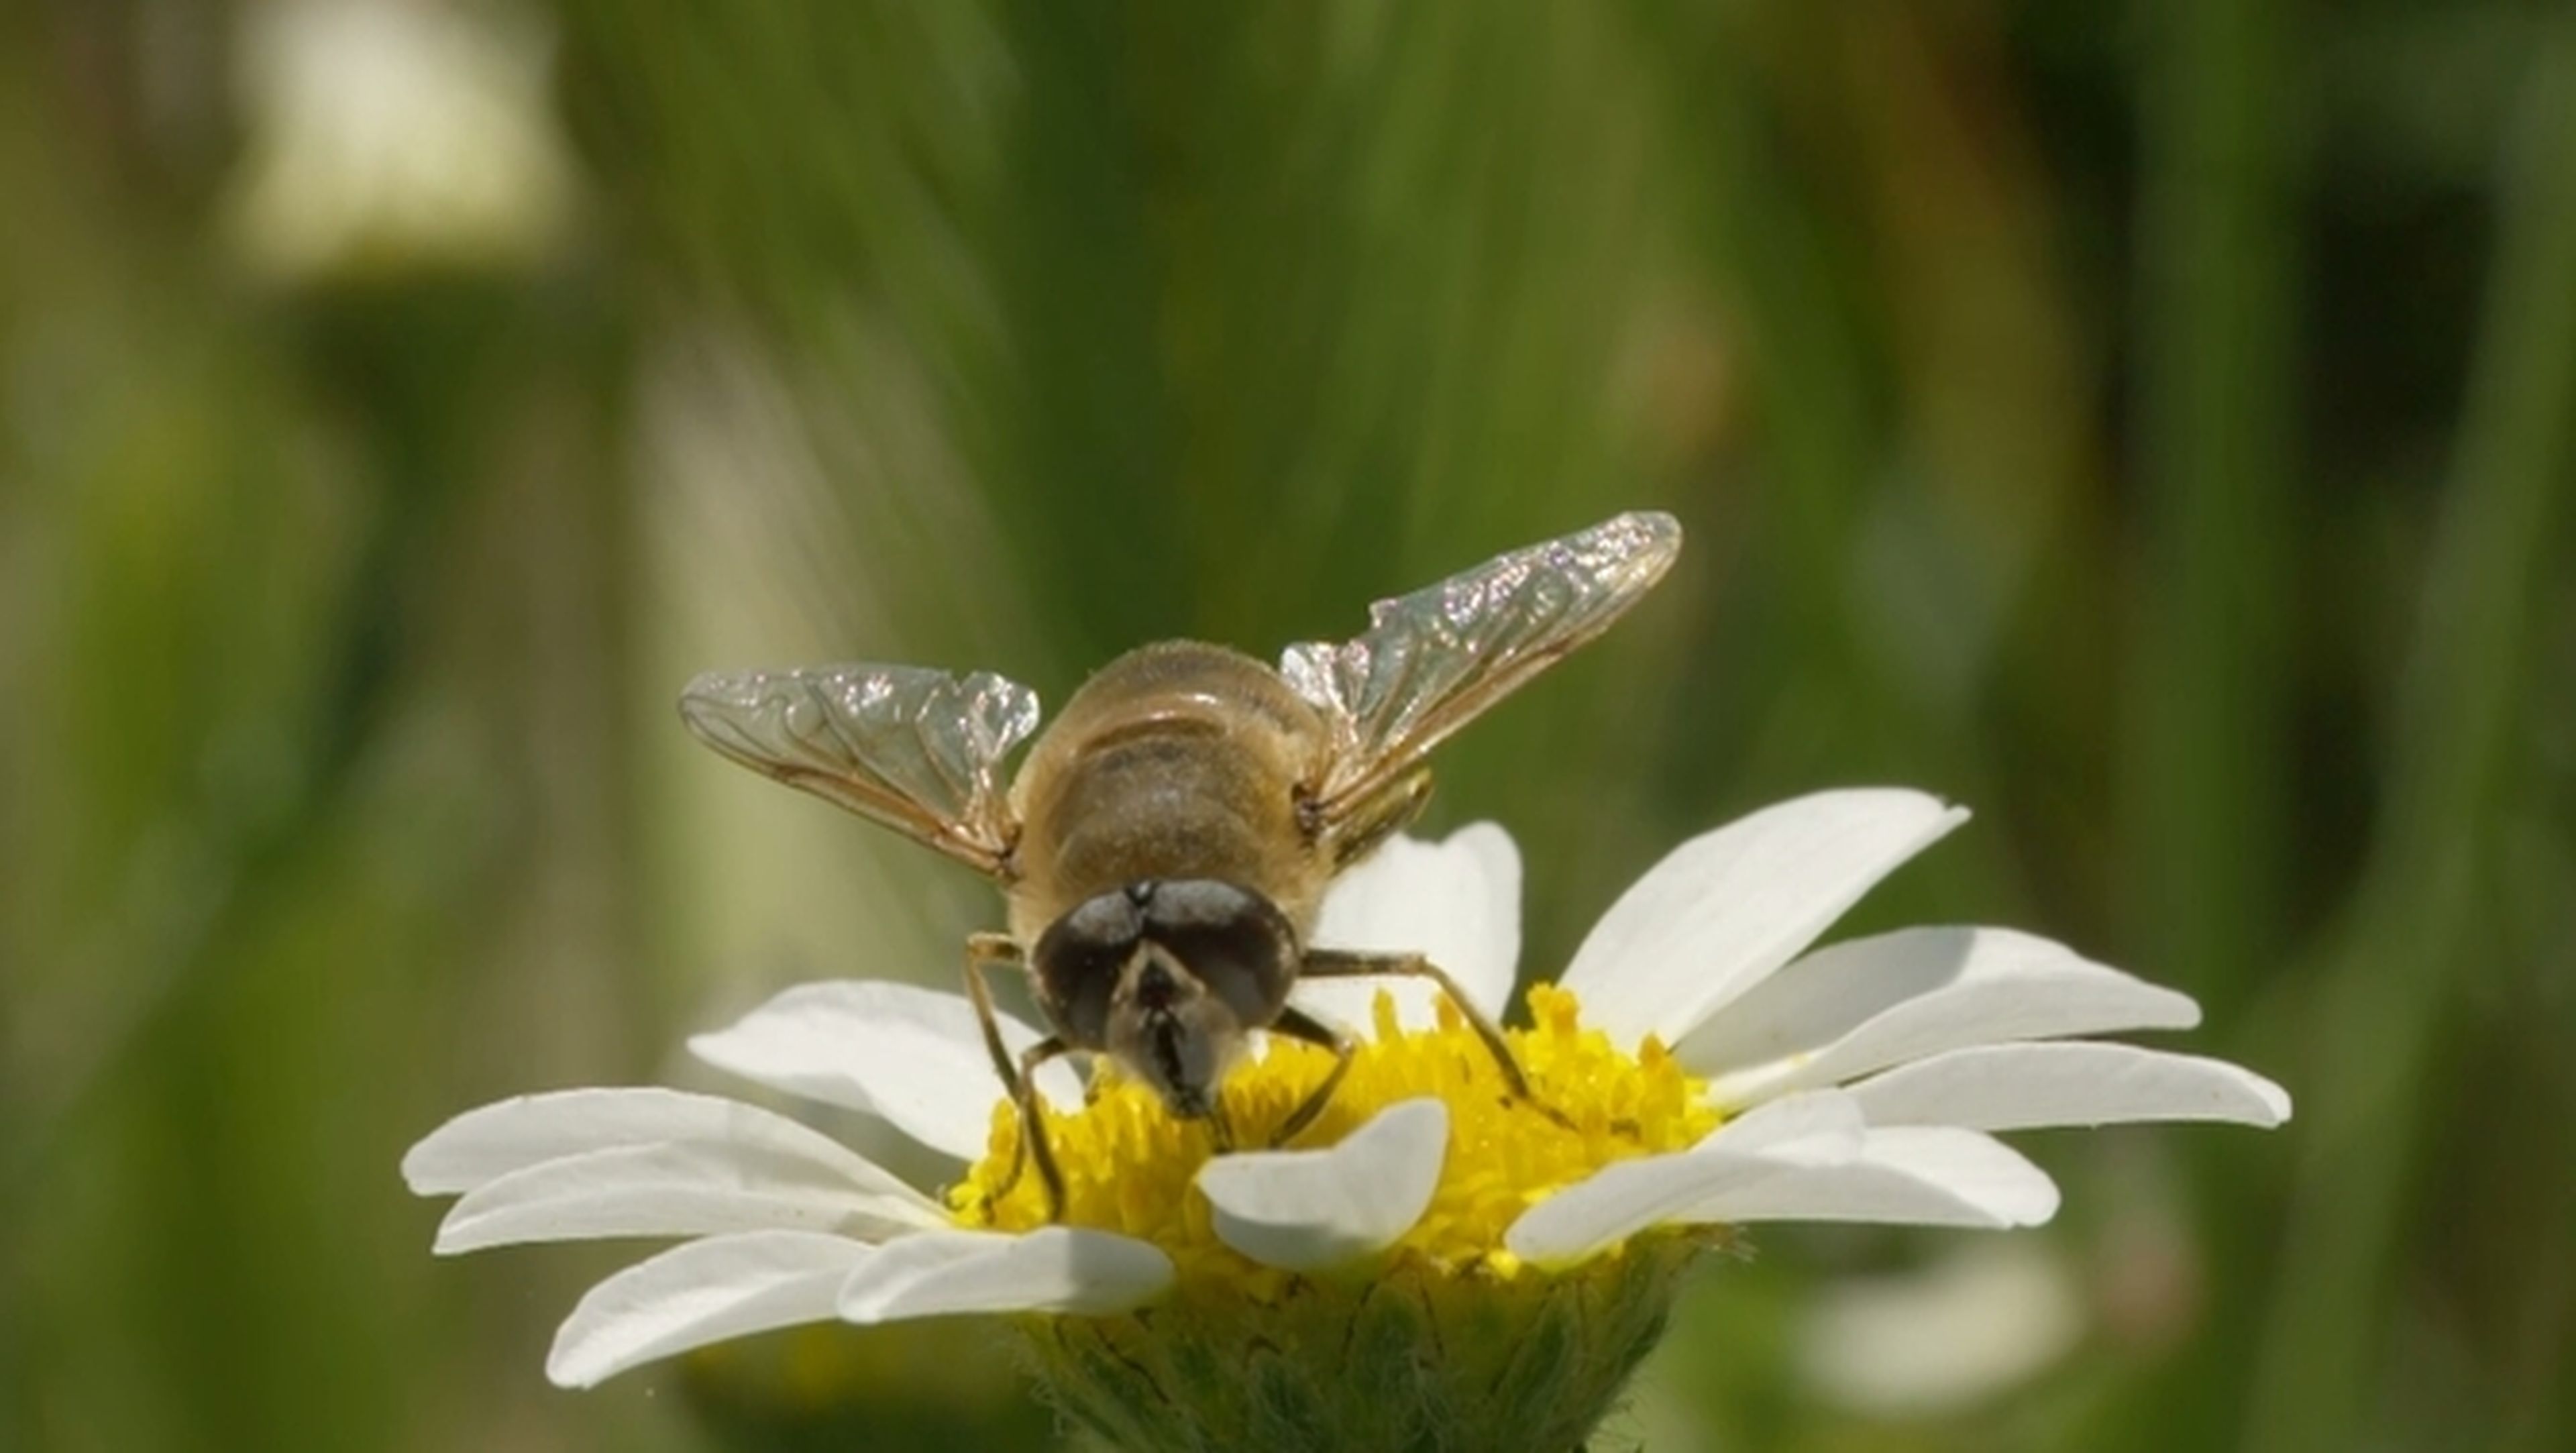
[
  {"x": 983, "y": 951},
  {"x": 1325, "y": 963},
  {"x": 1032, "y": 1129},
  {"x": 1297, "y": 1024},
  {"x": 1032, "y": 1144},
  {"x": 988, "y": 950}
]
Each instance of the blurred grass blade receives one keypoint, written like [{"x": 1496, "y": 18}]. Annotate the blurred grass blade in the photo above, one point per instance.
[
  {"x": 2462, "y": 694},
  {"x": 2216, "y": 322}
]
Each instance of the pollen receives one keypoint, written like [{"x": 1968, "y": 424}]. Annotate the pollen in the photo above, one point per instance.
[{"x": 1129, "y": 1164}]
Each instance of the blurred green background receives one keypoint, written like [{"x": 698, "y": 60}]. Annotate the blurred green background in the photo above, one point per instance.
[{"x": 2149, "y": 423}]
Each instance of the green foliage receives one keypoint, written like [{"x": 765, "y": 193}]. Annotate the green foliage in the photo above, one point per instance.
[{"x": 2154, "y": 431}]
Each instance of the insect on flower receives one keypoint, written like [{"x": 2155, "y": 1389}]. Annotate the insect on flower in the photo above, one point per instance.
[{"x": 1165, "y": 848}]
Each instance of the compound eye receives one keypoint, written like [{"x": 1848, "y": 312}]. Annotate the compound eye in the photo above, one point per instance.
[
  {"x": 1237, "y": 942},
  {"x": 1077, "y": 963}
]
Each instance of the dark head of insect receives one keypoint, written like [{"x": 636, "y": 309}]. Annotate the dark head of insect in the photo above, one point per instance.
[{"x": 1168, "y": 976}]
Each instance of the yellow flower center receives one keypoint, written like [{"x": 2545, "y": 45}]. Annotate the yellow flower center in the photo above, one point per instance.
[{"x": 1128, "y": 1164}]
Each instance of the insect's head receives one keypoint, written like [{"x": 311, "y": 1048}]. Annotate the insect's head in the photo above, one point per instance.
[{"x": 1168, "y": 977}]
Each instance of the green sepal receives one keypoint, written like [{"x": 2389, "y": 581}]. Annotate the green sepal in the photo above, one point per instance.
[{"x": 1414, "y": 1357}]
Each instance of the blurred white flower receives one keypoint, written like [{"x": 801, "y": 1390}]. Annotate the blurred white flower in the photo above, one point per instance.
[
  {"x": 393, "y": 137},
  {"x": 1948, "y": 1336}
]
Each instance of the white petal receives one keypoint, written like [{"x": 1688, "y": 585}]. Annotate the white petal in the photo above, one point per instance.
[
  {"x": 1621, "y": 1200},
  {"x": 1817, "y": 1127},
  {"x": 2027, "y": 1086},
  {"x": 1056, "y": 1269},
  {"x": 911, "y": 1055},
  {"x": 1457, "y": 902},
  {"x": 1302, "y": 1210},
  {"x": 706, "y": 1291},
  {"x": 493, "y": 1141},
  {"x": 1725, "y": 909},
  {"x": 677, "y": 1188},
  {"x": 1812, "y": 1130},
  {"x": 1924, "y": 1175},
  {"x": 1851, "y": 1008}
]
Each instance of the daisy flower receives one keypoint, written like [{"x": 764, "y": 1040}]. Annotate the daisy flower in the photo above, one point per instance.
[{"x": 1435, "y": 1261}]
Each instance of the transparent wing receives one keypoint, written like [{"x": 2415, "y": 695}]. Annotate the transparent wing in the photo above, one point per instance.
[
  {"x": 915, "y": 749},
  {"x": 1434, "y": 659}
]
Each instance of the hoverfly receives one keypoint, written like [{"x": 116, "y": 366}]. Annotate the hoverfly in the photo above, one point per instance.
[{"x": 1165, "y": 848}]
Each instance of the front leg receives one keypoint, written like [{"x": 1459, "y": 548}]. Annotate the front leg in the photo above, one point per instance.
[
  {"x": 1019, "y": 1080},
  {"x": 1033, "y": 1142},
  {"x": 1327, "y": 963},
  {"x": 1298, "y": 1024},
  {"x": 983, "y": 951}
]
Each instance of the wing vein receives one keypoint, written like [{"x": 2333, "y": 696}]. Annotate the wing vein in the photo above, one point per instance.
[
  {"x": 915, "y": 749},
  {"x": 1433, "y": 660}
]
